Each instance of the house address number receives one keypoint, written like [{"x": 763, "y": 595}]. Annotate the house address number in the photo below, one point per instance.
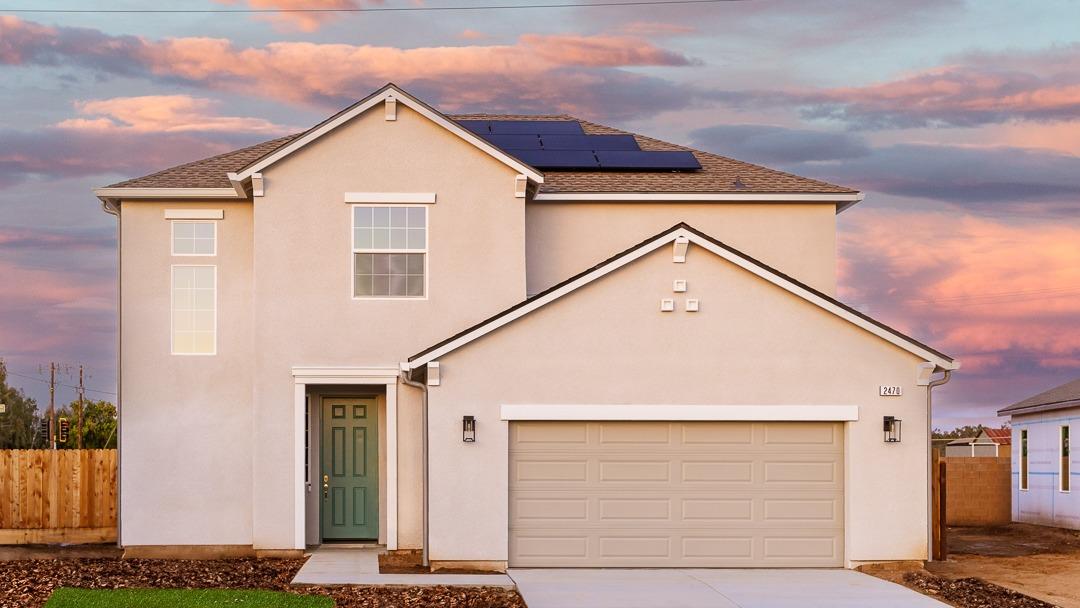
[{"x": 891, "y": 391}]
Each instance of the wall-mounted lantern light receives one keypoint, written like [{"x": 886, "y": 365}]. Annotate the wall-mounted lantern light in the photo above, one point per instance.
[
  {"x": 892, "y": 429},
  {"x": 468, "y": 429}
]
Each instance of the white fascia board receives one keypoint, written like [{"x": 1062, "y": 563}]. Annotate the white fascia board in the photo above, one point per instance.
[
  {"x": 194, "y": 214},
  {"x": 130, "y": 193},
  {"x": 704, "y": 197},
  {"x": 427, "y": 198},
  {"x": 345, "y": 375},
  {"x": 401, "y": 97},
  {"x": 647, "y": 248},
  {"x": 524, "y": 310},
  {"x": 635, "y": 412}
]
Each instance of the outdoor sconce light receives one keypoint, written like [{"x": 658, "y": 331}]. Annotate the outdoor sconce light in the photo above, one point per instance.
[
  {"x": 468, "y": 429},
  {"x": 892, "y": 429}
]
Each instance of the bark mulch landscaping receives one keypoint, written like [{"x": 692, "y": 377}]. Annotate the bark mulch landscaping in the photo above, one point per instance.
[
  {"x": 28, "y": 583},
  {"x": 970, "y": 592}
]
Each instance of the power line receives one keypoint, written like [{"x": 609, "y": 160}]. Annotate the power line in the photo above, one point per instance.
[
  {"x": 36, "y": 379},
  {"x": 373, "y": 9},
  {"x": 1006, "y": 296}
]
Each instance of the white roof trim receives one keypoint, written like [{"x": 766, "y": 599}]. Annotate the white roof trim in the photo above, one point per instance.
[
  {"x": 757, "y": 413},
  {"x": 648, "y": 247},
  {"x": 408, "y": 100},
  {"x": 127, "y": 193},
  {"x": 733, "y": 197}
]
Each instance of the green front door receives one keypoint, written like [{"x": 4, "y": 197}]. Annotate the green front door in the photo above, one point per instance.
[{"x": 350, "y": 469}]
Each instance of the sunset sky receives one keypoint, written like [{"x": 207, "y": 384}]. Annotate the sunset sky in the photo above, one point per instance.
[{"x": 960, "y": 120}]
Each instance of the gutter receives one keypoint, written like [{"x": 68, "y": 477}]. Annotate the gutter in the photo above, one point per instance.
[
  {"x": 112, "y": 207},
  {"x": 404, "y": 374},
  {"x": 930, "y": 472}
]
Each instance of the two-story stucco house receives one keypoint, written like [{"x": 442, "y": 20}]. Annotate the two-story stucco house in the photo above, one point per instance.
[{"x": 493, "y": 341}]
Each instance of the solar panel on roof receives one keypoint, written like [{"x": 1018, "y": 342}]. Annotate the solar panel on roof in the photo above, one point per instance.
[
  {"x": 481, "y": 127},
  {"x": 558, "y": 159},
  {"x": 536, "y": 127},
  {"x": 589, "y": 142},
  {"x": 647, "y": 159},
  {"x": 513, "y": 142}
]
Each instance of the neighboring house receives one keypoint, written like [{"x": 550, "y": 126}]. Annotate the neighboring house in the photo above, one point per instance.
[
  {"x": 507, "y": 340},
  {"x": 1044, "y": 468},
  {"x": 988, "y": 443}
]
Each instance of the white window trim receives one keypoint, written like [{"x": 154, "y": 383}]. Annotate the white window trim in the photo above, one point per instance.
[
  {"x": 675, "y": 412},
  {"x": 172, "y": 331},
  {"x": 194, "y": 214},
  {"x": 172, "y": 238},
  {"x": 353, "y": 251},
  {"x": 1023, "y": 465},
  {"x": 391, "y": 198},
  {"x": 1061, "y": 456}
]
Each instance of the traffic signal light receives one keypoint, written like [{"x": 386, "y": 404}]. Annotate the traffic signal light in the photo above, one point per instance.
[
  {"x": 45, "y": 428},
  {"x": 63, "y": 432}
]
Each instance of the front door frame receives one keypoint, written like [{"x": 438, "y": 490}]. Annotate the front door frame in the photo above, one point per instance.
[{"x": 304, "y": 376}]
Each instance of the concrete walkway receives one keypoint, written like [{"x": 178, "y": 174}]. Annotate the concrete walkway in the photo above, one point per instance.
[
  {"x": 633, "y": 588},
  {"x": 331, "y": 566}
]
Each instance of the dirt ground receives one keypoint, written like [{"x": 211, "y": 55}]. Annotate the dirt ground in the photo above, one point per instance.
[
  {"x": 1038, "y": 561},
  {"x": 27, "y": 583}
]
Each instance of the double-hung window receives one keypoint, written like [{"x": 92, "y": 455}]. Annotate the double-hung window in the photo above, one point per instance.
[
  {"x": 194, "y": 310},
  {"x": 389, "y": 249}
]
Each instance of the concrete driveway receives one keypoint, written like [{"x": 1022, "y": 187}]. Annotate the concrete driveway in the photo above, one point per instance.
[{"x": 633, "y": 588}]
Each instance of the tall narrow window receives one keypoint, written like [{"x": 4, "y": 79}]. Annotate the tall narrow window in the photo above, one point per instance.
[
  {"x": 389, "y": 252},
  {"x": 194, "y": 238},
  {"x": 1023, "y": 459},
  {"x": 194, "y": 310},
  {"x": 1065, "y": 472}
]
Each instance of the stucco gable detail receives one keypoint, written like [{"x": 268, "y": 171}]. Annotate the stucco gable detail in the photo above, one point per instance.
[
  {"x": 674, "y": 236},
  {"x": 389, "y": 93}
]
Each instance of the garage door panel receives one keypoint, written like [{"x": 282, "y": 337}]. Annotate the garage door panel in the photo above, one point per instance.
[{"x": 711, "y": 494}]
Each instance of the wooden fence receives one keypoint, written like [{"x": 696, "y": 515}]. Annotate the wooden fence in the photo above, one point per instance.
[{"x": 53, "y": 496}]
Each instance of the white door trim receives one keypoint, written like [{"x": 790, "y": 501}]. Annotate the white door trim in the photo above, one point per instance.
[
  {"x": 757, "y": 413},
  {"x": 387, "y": 376}
]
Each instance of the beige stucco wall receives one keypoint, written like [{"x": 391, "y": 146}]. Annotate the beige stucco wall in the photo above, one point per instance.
[
  {"x": 564, "y": 238},
  {"x": 186, "y": 419},
  {"x": 306, "y": 315},
  {"x": 608, "y": 343}
]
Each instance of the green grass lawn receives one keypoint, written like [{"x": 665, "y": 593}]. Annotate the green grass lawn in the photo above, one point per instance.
[{"x": 172, "y": 598}]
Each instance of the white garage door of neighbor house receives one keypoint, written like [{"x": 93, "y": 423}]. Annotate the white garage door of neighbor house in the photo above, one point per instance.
[{"x": 676, "y": 494}]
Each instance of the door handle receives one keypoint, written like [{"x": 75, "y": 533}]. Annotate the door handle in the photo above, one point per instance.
[{"x": 325, "y": 486}]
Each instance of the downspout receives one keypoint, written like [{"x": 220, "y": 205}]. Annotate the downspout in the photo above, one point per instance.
[
  {"x": 423, "y": 457},
  {"x": 930, "y": 472},
  {"x": 112, "y": 207}
]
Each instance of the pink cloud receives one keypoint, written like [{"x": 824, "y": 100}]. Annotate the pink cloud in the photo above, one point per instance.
[
  {"x": 304, "y": 21},
  {"x": 494, "y": 75},
  {"x": 655, "y": 28},
  {"x": 163, "y": 114}
]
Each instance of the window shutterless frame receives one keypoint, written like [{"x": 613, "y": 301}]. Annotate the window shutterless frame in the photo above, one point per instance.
[
  {"x": 1064, "y": 466},
  {"x": 1023, "y": 460},
  {"x": 212, "y": 238},
  {"x": 355, "y": 249},
  {"x": 172, "y": 310}
]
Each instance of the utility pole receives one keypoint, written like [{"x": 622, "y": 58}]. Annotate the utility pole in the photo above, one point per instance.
[
  {"x": 52, "y": 405},
  {"x": 82, "y": 391}
]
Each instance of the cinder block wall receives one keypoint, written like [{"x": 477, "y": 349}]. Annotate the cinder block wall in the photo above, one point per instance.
[{"x": 978, "y": 490}]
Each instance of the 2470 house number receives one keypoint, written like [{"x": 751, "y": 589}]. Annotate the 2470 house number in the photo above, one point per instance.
[{"x": 891, "y": 391}]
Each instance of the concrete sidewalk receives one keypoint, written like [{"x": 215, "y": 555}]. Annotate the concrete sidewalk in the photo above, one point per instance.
[
  {"x": 634, "y": 588},
  {"x": 330, "y": 566}
]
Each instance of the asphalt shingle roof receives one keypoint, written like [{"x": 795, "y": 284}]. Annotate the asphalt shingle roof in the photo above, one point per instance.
[
  {"x": 1060, "y": 397},
  {"x": 719, "y": 174}
]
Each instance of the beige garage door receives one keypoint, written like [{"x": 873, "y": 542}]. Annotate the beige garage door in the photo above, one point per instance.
[{"x": 676, "y": 494}]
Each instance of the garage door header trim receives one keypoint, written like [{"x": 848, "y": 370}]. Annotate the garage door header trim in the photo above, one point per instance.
[{"x": 756, "y": 413}]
